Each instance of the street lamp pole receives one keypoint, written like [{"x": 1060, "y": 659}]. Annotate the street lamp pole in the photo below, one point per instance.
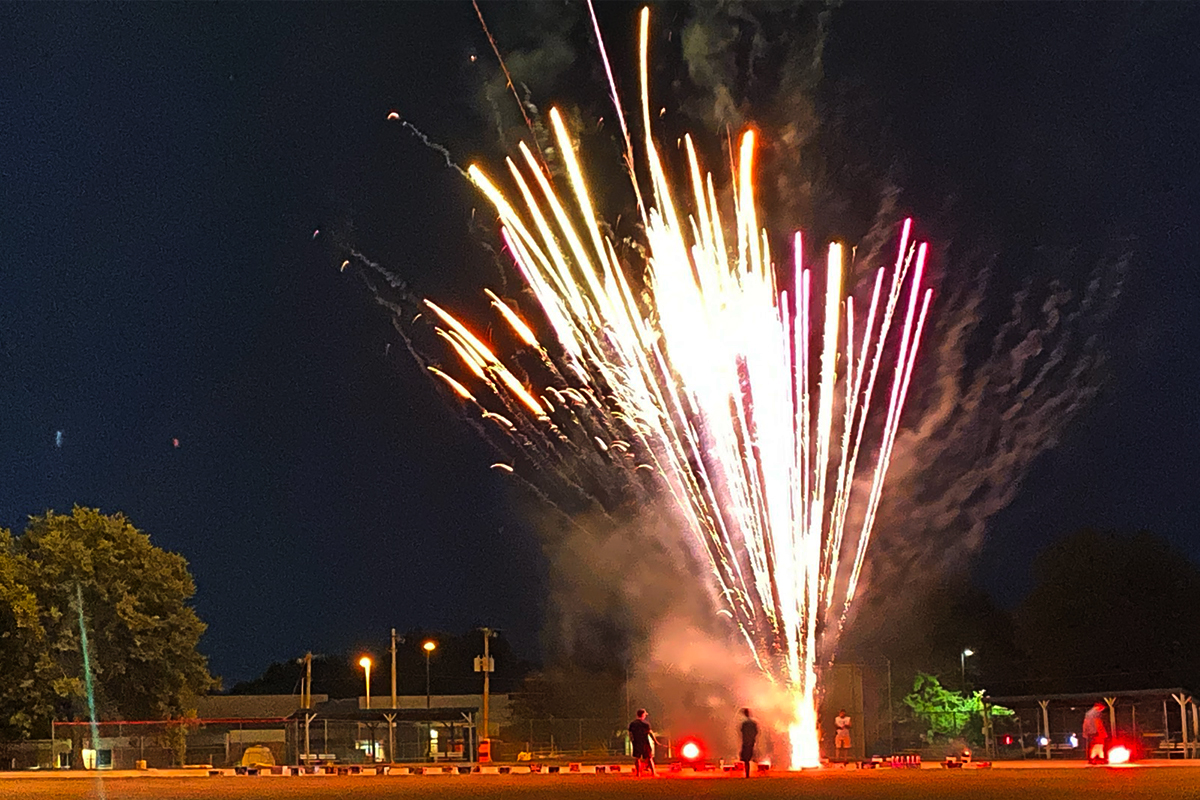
[
  {"x": 963, "y": 656},
  {"x": 429, "y": 647},
  {"x": 365, "y": 663}
]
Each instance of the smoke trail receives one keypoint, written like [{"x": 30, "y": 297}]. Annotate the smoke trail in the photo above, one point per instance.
[
  {"x": 535, "y": 47},
  {"x": 507, "y": 75},
  {"x": 432, "y": 145}
]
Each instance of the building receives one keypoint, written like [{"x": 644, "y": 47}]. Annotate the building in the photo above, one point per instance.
[{"x": 226, "y": 726}]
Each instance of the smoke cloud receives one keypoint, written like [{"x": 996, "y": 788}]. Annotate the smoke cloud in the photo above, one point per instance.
[{"x": 999, "y": 388}]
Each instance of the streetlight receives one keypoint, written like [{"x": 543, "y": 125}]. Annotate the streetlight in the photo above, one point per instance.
[
  {"x": 429, "y": 647},
  {"x": 966, "y": 653},
  {"x": 365, "y": 663}
]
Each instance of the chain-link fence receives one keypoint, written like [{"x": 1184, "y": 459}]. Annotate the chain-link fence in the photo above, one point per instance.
[{"x": 561, "y": 738}]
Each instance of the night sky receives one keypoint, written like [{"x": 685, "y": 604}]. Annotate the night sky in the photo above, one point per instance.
[{"x": 163, "y": 169}]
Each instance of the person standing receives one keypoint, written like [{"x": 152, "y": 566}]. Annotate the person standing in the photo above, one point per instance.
[
  {"x": 749, "y": 732},
  {"x": 841, "y": 740},
  {"x": 1095, "y": 734},
  {"x": 642, "y": 737}
]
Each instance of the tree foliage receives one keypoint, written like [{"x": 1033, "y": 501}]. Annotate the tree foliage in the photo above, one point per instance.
[
  {"x": 142, "y": 634},
  {"x": 567, "y": 692},
  {"x": 946, "y": 714}
]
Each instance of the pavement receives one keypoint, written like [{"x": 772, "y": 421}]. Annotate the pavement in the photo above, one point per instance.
[{"x": 1067, "y": 782}]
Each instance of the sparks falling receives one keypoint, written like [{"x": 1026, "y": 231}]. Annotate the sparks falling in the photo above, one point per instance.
[{"x": 758, "y": 411}]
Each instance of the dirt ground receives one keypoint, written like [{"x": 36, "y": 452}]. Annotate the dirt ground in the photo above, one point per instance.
[{"x": 1084, "y": 784}]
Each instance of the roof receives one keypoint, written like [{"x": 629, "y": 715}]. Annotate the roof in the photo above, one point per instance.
[
  {"x": 249, "y": 706},
  {"x": 350, "y": 710},
  {"x": 1086, "y": 697}
]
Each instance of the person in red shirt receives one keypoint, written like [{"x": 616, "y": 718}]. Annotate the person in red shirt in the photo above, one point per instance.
[{"x": 1095, "y": 734}]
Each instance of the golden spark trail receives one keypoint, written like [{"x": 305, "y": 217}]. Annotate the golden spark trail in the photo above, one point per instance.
[{"x": 697, "y": 385}]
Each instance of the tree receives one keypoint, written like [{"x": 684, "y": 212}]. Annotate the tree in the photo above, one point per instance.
[
  {"x": 946, "y": 714},
  {"x": 142, "y": 635},
  {"x": 1111, "y": 611},
  {"x": 569, "y": 692}
]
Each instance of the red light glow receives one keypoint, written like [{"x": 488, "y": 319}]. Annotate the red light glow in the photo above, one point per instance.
[
  {"x": 690, "y": 751},
  {"x": 1118, "y": 755}
]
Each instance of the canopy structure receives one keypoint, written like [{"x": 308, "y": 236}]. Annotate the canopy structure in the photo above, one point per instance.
[
  {"x": 351, "y": 711},
  {"x": 457, "y": 721},
  {"x": 1186, "y": 745}
]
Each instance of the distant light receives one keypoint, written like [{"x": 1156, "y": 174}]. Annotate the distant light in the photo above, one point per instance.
[
  {"x": 58, "y": 438},
  {"x": 1073, "y": 740},
  {"x": 968, "y": 652},
  {"x": 364, "y": 662},
  {"x": 430, "y": 646},
  {"x": 690, "y": 751},
  {"x": 433, "y": 733},
  {"x": 1043, "y": 741},
  {"x": 1118, "y": 755}
]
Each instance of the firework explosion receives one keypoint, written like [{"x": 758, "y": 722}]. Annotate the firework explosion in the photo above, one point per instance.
[{"x": 758, "y": 411}]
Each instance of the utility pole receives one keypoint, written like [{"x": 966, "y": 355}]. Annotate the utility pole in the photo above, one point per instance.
[
  {"x": 891, "y": 712},
  {"x": 307, "y": 699},
  {"x": 484, "y": 665},
  {"x": 391, "y": 718},
  {"x": 306, "y": 702},
  {"x": 627, "y": 711},
  {"x": 487, "y": 674},
  {"x": 393, "y": 667}
]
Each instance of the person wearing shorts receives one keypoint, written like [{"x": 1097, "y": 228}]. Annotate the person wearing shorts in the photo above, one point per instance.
[
  {"x": 841, "y": 739},
  {"x": 642, "y": 738}
]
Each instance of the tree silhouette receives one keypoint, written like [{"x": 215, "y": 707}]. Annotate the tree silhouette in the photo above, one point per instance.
[{"x": 1112, "y": 611}]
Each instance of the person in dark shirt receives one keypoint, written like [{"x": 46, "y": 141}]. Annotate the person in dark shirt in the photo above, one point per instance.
[
  {"x": 641, "y": 737},
  {"x": 749, "y": 739}
]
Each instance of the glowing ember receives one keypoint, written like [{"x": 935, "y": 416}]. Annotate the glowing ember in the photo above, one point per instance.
[
  {"x": 1118, "y": 755},
  {"x": 699, "y": 386}
]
